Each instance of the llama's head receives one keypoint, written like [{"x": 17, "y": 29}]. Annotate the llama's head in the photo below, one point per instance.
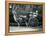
[{"x": 14, "y": 10}]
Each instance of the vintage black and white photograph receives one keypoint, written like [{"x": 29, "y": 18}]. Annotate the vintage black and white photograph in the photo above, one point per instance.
[{"x": 25, "y": 17}]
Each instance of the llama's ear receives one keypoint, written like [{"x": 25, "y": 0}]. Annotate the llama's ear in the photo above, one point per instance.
[
  {"x": 15, "y": 8},
  {"x": 14, "y": 17}
]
